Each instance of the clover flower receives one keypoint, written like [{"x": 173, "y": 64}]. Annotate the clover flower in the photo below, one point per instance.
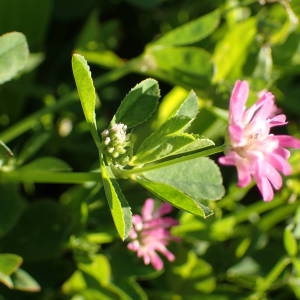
[
  {"x": 116, "y": 144},
  {"x": 150, "y": 234},
  {"x": 257, "y": 153}
]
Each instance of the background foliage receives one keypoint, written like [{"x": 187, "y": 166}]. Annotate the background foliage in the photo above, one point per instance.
[{"x": 58, "y": 240}]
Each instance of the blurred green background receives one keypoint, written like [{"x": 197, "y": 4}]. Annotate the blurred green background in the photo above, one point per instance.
[{"x": 64, "y": 233}]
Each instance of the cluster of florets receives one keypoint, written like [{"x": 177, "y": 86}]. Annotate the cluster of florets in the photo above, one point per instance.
[
  {"x": 116, "y": 144},
  {"x": 151, "y": 233}
]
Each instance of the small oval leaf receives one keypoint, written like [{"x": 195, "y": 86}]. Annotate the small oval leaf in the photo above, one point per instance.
[
  {"x": 13, "y": 55},
  {"x": 85, "y": 87}
]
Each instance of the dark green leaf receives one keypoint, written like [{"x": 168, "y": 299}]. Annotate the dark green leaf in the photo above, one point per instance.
[
  {"x": 118, "y": 204},
  {"x": 191, "y": 32},
  {"x": 13, "y": 55},
  {"x": 11, "y": 207},
  {"x": 41, "y": 232},
  {"x": 139, "y": 104}
]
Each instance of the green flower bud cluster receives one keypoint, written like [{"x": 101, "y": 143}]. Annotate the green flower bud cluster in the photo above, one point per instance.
[{"x": 116, "y": 144}]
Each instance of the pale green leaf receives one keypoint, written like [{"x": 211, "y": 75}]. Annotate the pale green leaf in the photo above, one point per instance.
[
  {"x": 13, "y": 55},
  {"x": 24, "y": 282}
]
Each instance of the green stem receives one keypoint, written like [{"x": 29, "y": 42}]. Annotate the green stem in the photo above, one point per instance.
[
  {"x": 264, "y": 284},
  {"x": 49, "y": 177},
  {"x": 183, "y": 158},
  {"x": 29, "y": 122}
]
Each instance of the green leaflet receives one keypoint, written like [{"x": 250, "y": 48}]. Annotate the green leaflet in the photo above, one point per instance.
[
  {"x": 198, "y": 178},
  {"x": 118, "y": 205},
  {"x": 85, "y": 87},
  {"x": 170, "y": 138},
  {"x": 175, "y": 197},
  {"x": 139, "y": 104}
]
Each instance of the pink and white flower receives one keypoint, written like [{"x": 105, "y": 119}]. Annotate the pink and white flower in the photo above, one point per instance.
[
  {"x": 150, "y": 234},
  {"x": 257, "y": 153}
]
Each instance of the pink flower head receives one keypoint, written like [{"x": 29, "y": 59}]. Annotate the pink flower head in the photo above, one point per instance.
[
  {"x": 256, "y": 153},
  {"x": 150, "y": 234}
]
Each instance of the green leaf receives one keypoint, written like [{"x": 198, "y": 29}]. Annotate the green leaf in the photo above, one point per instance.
[
  {"x": 189, "y": 108},
  {"x": 290, "y": 242},
  {"x": 41, "y": 232},
  {"x": 169, "y": 138},
  {"x": 47, "y": 164},
  {"x": 191, "y": 32},
  {"x": 167, "y": 146},
  {"x": 117, "y": 202},
  {"x": 231, "y": 52},
  {"x": 139, "y": 104},
  {"x": 9, "y": 263},
  {"x": 175, "y": 197},
  {"x": 13, "y": 55},
  {"x": 196, "y": 144},
  {"x": 188, "y": 66},
  {"x": 11, "y": 207},
  {"x": 85, "y": 87},
  {"x": 24, "y": 282},
  {"x": 198, "y": 178}
]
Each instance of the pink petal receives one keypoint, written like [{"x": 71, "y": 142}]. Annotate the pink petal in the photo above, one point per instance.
[
  {"x": 164, "y": 209},
  {"x": 147, "y": 209},
  {"x": 238, "y": 100},
  {"x": 156, "y": 261},
  {"x": 169, "y": 255},
  {"x": 273, "y": 176},
  {"x": 278, "y": 120},
  {"x": 229, "y": 159},
  {"x": 235, "y": 133},
  {"x": 244, "y": 174},
  {"x": 263, "y": 184},
  {"x": 288, "y": 141},
  {"x": 280, "y": 163}
]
